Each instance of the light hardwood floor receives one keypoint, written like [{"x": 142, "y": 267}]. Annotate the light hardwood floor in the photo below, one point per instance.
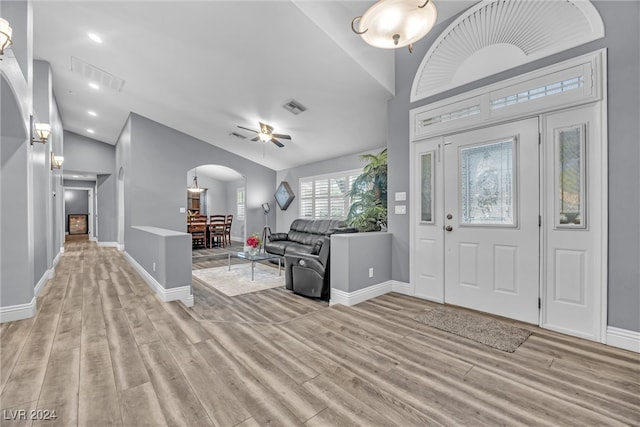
[{"x": 103, "y": 351}]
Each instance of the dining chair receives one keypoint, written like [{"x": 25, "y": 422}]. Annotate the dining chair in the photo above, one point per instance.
[
  {"x": 227, "y": 228},
  {"x": 217, "y": 230},
  {"x": 198, "y": 229}
]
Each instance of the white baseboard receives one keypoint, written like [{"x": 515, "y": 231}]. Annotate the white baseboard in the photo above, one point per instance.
[
  {"x": 108, "y": 244},
  {"x": 121, "y": 247},
  {"x": 237, "y": 239},
  {"x": 356, "y": 297},
  {"x": 623, "y": 338},
  {"x": 402, "y": 287},
  {"x": 18, "y": 312},
  {"x": 93, "y": 239},
  {"x": 56, "y": 260},
  {"x": 49, "y": 274},
  {"x": 182, "y": 293}
]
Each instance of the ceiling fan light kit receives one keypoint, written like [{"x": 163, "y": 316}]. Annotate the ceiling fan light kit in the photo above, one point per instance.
[
  {"x": 266, "y": 134},
  {"x": 392, "y": 24}
]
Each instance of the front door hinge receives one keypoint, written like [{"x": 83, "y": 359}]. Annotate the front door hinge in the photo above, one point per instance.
[
  {"x": 539, "y": 303},
  {"x": 539, "y": 220},
  {"x": 539, "y": 138}
]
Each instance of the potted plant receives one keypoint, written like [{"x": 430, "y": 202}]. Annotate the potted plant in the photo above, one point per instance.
[{"x": 368, "y": 211}]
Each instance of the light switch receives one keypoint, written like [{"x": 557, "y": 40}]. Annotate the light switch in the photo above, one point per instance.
[
  {"x": 401, "y": 210},
  {"x": 183, "y": 210},
  {"x": 401, "y": 196}
]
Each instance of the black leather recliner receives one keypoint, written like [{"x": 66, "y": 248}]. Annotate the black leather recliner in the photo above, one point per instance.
[{"x": 308, "y": 274}]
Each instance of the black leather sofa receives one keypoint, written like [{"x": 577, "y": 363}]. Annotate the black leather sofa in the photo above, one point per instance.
[
  {"x": 302, "y": 236},
  {"x": 306, "y": 250}
]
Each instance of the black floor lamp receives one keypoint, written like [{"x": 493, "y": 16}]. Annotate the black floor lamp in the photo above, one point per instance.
[{"x": 266, "y": 231}]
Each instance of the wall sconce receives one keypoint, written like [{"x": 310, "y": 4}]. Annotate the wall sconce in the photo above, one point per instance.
[
  {"x": 5, "y": 35},
  {"x": 391, "y": 24},
  {"x": 56, "y": 161},
  {"x": 43, "y": 130}
]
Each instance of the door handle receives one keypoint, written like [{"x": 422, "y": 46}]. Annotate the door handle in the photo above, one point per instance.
[{"x": 448, "y": 228}]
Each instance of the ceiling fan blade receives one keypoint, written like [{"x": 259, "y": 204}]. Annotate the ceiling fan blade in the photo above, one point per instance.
[
  {"x": 278, "y": 143},
  {"x": 242, "y": 127},
  {"x": 255, "y": 139},
  {"x": 281, "y": 136}
]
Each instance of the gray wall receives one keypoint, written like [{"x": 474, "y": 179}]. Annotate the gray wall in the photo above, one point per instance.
[
  {"x": 156, "y": 158},
  {"x": 88, "y": 155},
  {"x": 622, "y": 39},
  {"x": 75, "y": 202},
  {"x": 292, "y": 176},
  {"x": 352, "y": 255}
]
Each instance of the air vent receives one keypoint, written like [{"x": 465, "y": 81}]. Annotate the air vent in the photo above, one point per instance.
[
  {"x": 294, "y": 107},
  {"x": 237, "y": 135},
  {"x": 97, "y": 75}
]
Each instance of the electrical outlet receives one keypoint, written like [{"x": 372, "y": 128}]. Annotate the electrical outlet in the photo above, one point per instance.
[
  {"x": 183, "y": 210},
  {"x": 154, "y": 266},
  {"x": 370, "y": 271}
]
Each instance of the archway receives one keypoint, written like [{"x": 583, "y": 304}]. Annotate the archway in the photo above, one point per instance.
[{"x": 222, "y": 192}]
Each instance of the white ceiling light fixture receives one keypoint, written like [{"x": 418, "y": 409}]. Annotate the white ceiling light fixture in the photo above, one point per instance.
[
  {"x": 392, "y": 24},
  {"x": 94, "y": 37},
  {"x": 91, "y": 131},
  {"x": 5, "y": 35},
  {"x": 92, "y": 113},
  {"x": 195, "y": 188},
  {"x": 93, "y": 85}
]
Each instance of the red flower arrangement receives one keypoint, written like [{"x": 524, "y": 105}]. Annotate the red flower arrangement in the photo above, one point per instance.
[{"x": 253, "y": 241}]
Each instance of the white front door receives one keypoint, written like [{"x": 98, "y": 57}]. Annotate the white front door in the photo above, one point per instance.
[{"x": 491, "y": 220}]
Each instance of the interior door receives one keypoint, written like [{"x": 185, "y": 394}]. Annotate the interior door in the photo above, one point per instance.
[{"x": 491, "y": 208}]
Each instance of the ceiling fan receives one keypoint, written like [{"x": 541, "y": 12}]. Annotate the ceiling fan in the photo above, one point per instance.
[{"x": 266, "y": 134}]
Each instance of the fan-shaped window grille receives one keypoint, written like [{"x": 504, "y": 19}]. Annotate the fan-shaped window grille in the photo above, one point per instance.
[{"x": 496, "y": 35}]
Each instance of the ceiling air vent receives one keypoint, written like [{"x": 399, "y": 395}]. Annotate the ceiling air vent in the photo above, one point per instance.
[
  {"x": 294, "y": 107},
  {"x": 97, "y": 75},
  {"x": 237, "y": 135}
]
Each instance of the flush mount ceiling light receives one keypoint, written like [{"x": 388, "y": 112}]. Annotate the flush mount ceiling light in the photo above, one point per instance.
[
  {"x": 94, "y": 37},
  {"x": 43, "y": 130},
  {"x": 391, "y": 24},
  {"x": 5, "y": 35},
  {"x": 195, "y": 188}
]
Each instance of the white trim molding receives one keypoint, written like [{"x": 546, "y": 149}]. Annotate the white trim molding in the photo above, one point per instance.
[
  {"x": 18, "y": 312},
  {"x": 623, "y": 338},
  {"x": 48, "y": 275},
  {"x": 108, "y": 244},
  {"x": 356, "y": 297},
  {"x": 403, "y": 288},
  {"x": 497, "y": 35},
  {"x": 181, "y": 293}
]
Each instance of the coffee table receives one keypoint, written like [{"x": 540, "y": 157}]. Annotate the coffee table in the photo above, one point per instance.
[{"x": 265, "y": 256}]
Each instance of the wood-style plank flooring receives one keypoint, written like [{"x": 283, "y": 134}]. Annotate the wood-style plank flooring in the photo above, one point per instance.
[{"x": 103, "y": 350}]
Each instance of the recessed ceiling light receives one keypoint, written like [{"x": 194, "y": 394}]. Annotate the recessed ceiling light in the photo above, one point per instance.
[
  {"x": 92, "y": 113},
  {"x": 93, "y": 85},
  {"x": 96, "y": 38},
  {"x": 91, "y": 131},
  {"x": 75, "y": 176}
]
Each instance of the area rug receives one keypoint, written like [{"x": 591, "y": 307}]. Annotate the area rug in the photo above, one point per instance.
[
  {"x": 237, "y": 281},
  {"x": 483, "y": 329}
]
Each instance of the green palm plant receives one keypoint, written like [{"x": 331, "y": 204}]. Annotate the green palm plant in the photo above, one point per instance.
[{"x": 368, "y": 211}]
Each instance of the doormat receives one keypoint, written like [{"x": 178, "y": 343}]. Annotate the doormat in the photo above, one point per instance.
[
  {"x": 482, "y": 329},
  {"x": 237, "y": 281}
]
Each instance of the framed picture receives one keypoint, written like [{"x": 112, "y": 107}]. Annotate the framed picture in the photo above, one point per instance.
[{"x": 284, "y": 195}]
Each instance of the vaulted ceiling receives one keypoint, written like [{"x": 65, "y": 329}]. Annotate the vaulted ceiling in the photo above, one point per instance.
[{"x": 205, "y": 67}]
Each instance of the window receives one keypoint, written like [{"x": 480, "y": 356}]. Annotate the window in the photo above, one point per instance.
[
  {"x": 325, "y": 196},
  {"x": 240, "y": 203}
]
